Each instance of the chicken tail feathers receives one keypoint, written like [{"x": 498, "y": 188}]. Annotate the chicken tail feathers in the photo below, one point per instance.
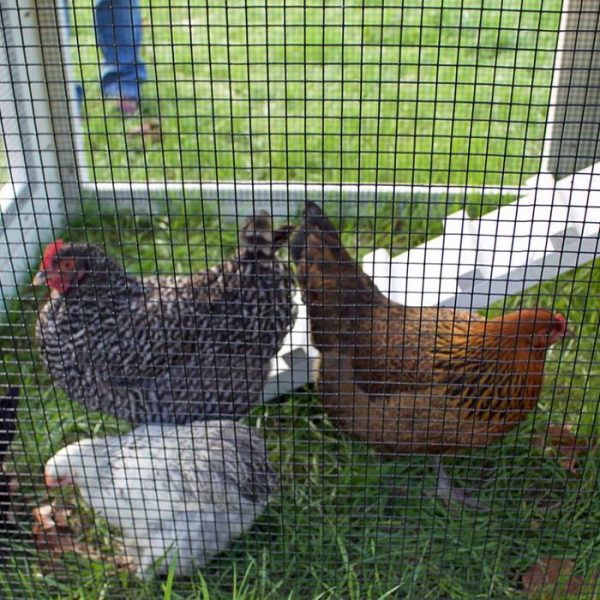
[
  {"x": 318, "y": 241},
  {"x": 257, "y": 236},
  {"x": 338, "y": 294},
  {"x": 316, "y": 218}
]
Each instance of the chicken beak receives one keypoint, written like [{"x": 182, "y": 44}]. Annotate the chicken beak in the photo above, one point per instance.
[
  {"x": 569, "y": 333},
  {"x": 41, "y": 278}
]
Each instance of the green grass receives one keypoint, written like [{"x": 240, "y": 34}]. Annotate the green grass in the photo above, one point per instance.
[
  {"x": 346, "y": 523},
  {"x": 401, "y": 92}
]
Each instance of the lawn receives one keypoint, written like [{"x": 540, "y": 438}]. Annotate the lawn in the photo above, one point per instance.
[
  {"x": 394, "y": 92},
  {"x": 346, "y": 523}
]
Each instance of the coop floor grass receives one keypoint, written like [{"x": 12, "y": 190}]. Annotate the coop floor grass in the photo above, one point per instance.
[{"x": 346, "y": 524}]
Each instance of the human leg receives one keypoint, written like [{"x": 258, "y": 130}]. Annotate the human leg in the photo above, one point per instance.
[{"x": 119, "y": 35}]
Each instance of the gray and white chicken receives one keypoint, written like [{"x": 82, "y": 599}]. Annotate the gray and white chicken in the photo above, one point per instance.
[
  {"x": 166, "y": 349},
  {"x": 176, "y": 492}
]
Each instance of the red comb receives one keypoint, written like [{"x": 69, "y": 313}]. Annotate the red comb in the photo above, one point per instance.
[{"x": 50, "y": 252}]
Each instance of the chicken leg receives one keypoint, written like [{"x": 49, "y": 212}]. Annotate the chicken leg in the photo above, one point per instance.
[{"x": 449, "y": 493}]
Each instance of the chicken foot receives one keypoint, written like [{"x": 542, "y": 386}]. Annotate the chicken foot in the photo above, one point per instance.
[{"x": 449, "y": 493}]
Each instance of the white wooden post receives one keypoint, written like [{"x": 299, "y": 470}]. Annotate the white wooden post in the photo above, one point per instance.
[
  {"x": 37, "y": 134},
  {"x": 573, "y": 131}
]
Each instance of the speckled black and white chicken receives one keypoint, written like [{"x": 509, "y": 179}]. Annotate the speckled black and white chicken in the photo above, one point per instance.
[
  {"x": 176, "y": 492},
  {"x": 166, "y": 349}
]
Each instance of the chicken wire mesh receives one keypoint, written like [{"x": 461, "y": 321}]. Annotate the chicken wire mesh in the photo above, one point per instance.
[{"x": 191, "y": 186}]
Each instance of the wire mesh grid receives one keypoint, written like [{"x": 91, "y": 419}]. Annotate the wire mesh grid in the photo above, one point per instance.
[{"x": 314, "y": 300}]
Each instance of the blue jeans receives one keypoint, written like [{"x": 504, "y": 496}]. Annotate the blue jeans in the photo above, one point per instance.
[
  {"x": 118, "y": 25},
  {"x": 119, "y": 34}
]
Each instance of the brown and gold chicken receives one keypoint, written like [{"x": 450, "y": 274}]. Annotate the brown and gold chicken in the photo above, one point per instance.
[{"x": 415, "y": 380}]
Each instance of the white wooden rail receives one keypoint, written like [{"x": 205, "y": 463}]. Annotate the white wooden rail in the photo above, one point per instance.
[{"x": 551, "y": 229}]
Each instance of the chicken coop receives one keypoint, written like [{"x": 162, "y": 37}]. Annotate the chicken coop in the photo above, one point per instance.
[{"x": 299, "y": 300}]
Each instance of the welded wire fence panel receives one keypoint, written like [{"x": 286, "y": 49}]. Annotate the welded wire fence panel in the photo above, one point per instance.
[{"x": 240, "y": 392}]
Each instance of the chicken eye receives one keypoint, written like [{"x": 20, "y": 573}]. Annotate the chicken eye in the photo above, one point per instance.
[{"x": 67, "y": 264}]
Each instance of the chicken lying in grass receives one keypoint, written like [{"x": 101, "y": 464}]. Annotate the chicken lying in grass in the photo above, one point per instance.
[
  {"x": 178, "y": 493},
  {"x": 415, "y": 380},
  {"x": 166, "y": 349}
]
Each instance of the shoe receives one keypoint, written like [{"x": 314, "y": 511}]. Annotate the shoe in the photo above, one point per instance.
[{"x": 128, "y": 106}]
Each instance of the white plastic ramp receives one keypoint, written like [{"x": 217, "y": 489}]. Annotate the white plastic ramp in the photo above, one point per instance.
[{"x": 297, "y": 361}]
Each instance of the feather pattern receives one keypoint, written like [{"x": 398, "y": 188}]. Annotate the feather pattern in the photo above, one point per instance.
[
  {"x": 385, "y": 339},
  {"x": 412, "y": 379},
  {"x": 167, "y": 349},
  {"x": 174, "y": 491}
]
